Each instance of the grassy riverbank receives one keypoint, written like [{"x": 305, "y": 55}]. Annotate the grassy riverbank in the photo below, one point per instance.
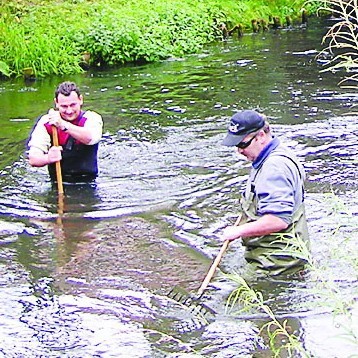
[{"x": 44, "y": 37}]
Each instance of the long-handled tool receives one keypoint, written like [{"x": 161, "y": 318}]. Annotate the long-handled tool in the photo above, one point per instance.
[
  {"x": 58, "y": 164},
  {"x": 183, "y": 297},
  {"x": 212, "y": 269},
  {"x": 59, "y": 180},
  {"x": 216, "y": 263}
]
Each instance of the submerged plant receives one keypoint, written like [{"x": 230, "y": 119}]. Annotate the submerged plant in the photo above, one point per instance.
[
  {"x": 278, "y": 331},
  {"x": 280, "y": 337}
]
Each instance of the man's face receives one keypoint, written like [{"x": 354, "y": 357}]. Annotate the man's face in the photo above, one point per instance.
[
  {"x": 253, "y": 146},
  {"x": 69, "y": 106}
]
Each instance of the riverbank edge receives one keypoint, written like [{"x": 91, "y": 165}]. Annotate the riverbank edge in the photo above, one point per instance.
[{"x": 115, "y": 33}]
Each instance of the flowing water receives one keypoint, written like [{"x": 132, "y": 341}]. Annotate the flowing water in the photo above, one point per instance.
[{"x": 93, "y": 281}]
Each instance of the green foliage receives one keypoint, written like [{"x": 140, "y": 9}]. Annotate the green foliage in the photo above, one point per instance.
[
  {"x": 110, "y": 43},
  {"x": 4, "y": 69},
  {"x": 161, "y": 32},
  {"x": 280, "y": 338},
  {"x": 50, "y": 37},
  {"x": 33, "y": 41}
]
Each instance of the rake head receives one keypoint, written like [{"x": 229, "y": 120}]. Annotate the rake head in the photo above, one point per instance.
[{"x": 183, "y": 297}]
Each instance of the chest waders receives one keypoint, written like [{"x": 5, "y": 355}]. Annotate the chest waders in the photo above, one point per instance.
[
  {"x": 279, "y": 252},
  {"x": 79, "y": 161}
]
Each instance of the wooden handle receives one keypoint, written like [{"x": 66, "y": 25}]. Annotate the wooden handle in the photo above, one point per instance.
[
  {"x": 213, "y": 267},
  {"x": 237, "y": 222},
  {"x": 58, "y": 164},
  {"x": 216, "y": 262}
]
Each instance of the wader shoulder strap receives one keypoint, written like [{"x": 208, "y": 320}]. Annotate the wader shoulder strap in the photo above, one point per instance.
[{"x": 277, "y": 154}]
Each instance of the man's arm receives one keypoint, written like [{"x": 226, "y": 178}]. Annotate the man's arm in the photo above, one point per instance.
[
  {"x": 40, "y": 152},
  {"x": 265, "y": 225},
  {"x": 89, "y": 134},
  {"x": 37, "y": 158}
]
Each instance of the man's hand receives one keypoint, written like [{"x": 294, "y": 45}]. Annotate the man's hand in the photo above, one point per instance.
[
  {"x": 55, "y": 119},
  {"x": 54, "y": 154},
  {"x": 231, "y": 233}
]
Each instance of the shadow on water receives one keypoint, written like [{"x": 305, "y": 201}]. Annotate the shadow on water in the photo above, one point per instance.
[{"x": 93, "y": 280}]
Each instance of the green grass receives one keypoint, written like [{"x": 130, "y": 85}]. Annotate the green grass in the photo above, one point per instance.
[{"x": 50, "y": 37}]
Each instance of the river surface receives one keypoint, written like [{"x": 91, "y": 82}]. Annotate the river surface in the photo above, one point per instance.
[{"x": 89, "y": 275}]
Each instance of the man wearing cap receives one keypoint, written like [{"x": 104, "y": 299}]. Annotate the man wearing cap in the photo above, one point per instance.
[{"x": 273, "y": 222}]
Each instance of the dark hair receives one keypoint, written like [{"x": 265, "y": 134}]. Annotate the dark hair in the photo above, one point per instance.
[{"x": 65, "y": 88}]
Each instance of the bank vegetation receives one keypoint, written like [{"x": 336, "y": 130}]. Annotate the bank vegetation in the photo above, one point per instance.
[{"x": 46, "y": 37}]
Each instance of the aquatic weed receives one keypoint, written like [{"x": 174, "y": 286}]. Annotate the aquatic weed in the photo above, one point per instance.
[
  {"x": 280, "y": 337},
  {"x": 324, "y": 287}
]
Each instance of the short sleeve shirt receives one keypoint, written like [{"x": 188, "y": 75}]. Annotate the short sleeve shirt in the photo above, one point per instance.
[{"x": 41, "y": 139}]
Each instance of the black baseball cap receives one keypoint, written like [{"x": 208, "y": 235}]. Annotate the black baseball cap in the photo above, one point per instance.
[{"x": 241, "y": 124}]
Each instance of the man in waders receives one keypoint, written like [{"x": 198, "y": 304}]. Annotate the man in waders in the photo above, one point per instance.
[
  {"x": 273, "y": 223},
  {"x": 79, "y": 133}
]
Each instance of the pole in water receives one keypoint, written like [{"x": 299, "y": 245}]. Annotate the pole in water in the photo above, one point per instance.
[{"x": 58, "y": 164}]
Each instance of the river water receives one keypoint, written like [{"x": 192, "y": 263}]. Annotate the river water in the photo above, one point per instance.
[{"x": 93, "y": 280}]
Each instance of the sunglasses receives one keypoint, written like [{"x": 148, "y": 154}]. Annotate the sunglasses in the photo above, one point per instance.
[{"x": 243, "y": 145}]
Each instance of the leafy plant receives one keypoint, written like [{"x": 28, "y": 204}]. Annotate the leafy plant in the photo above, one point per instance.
[
  {"x": 280, "y": 337},
  {"x": 4, "y": 69},
  {"x": 341, "y": 38},
  {"x": 51, "y": 39}
]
